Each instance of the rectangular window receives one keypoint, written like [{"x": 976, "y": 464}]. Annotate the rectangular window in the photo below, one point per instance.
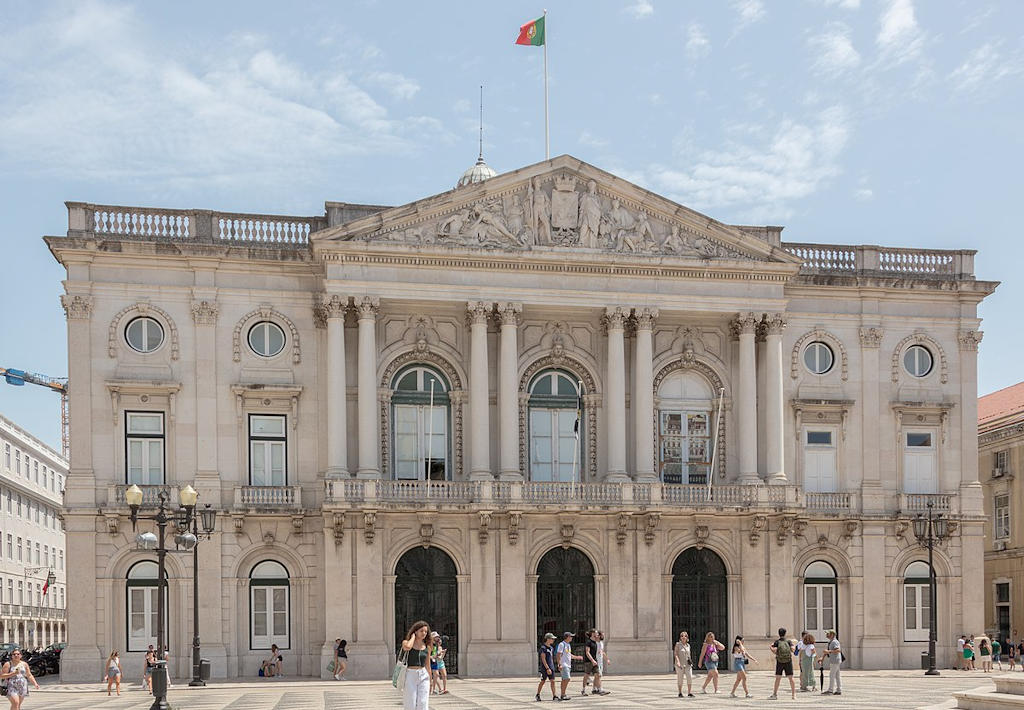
[
  {"x": 35, "y": 471},
  {"x": 1001, "y": 516},
  {"x": 1003, "y": 593},
  {"x": 142, "y": 616},
  {"x": 685, "y": 446},
  {"x": 37, "y": 557},
  {"x": 7, "y": 456},
  {"x": 820, "y": 474},
  {"x": 19, "y": 550},
  {"x": 8, "y": 502},
  {"x": 17, "y": 462},
  {"x": 62, "y": 599},
  {"x": 1000, "y": 460},
  {"x": 46, "y": 556},
  {"x": 267, "y": 450},
  {"x": 19, "y": 506},
  {"x": 37, "y": 507},
  {"x": 21, "y": 592},
  {"x": 919, "y": 463},
  {"x": 269, "y": 622},
  {"x": 61, "y": 560},
  {"x": 53, "y": 485},
  {"x": 915, "y": 612},
  {"x": 10, "y": 591},
  {"x": 421, "y": 442},
  {"x": 144, "y": 447},
  {"x": 10, "y": 546}
]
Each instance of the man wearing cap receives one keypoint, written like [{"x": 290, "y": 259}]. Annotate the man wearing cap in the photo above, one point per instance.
[
  {"x": 832, "y": 658},
  {"x": 546, "y": 665},
  {"x": 565, "y": 659}
]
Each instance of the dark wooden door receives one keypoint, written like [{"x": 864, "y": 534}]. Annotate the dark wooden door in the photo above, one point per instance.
[
  {"x": 565, "y": 596},
  {"x": 426, "y": 589},
  {"x": 700, "y": 600}
]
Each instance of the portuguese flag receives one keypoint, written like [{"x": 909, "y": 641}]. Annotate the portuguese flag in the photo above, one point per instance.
[{"x": 532, "y": 33}]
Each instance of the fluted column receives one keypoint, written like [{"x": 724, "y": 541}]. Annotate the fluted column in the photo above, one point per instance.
[
  {"x": 744, "y": 326},
  {"x": 643, "y": 397},
  {"x": 615, "y": 404},
  {"x": 508, "y": 395},
  {"x": 334, "y": 307},
  {"x": 369, "y": 435},
  {"x": 773, "y": 421},
  {"x": 479, "y": 406}
]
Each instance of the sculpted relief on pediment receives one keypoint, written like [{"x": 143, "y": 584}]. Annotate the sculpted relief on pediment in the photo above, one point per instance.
[{"x": 557, "y": 211}]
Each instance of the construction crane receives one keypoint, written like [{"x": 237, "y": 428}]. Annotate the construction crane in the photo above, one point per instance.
[{"x": 57, "y": 384}]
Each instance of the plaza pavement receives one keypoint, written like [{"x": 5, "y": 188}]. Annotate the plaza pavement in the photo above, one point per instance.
[{"x": 861, "y": 689}]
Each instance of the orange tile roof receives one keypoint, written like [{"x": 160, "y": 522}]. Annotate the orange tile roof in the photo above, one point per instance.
[{"x": 1004, "y": 402}]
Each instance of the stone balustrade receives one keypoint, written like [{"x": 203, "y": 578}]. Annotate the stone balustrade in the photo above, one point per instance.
[
  {"x": 841, "y": 502},
  {"x": 31, "y": 611},
  {"x": 150, "y": 495},
  {"x": 875, "y": 260},
  {"x": 268, "y": 497},
  {"x": 918, "y": 502}
]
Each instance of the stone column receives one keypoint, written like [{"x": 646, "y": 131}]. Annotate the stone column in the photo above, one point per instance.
[
  {"x": 615, "y": 404},
  {"x": 369, "y": 434},
  {"x": 479, "y": 404},
  {"x": 643, "y": 397},
  {"x": 204, "y": 314},
  {"x": 334, "y": 307},
  {"x": 744, "y": 326},
  {"x": 774, "y": 416},
  {"x": 970, "y": 489},
  {"x": 508, "y": 394}
]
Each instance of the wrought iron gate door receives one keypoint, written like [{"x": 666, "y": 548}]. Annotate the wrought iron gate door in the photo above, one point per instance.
[
  {"x": 700, "y": 599},
  {"x": 565, "y": 596},
  {"x": 426, "y": 588}
]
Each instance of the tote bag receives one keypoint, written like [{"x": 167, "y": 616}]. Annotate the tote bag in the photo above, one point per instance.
[{"x": 398, "y": 675}]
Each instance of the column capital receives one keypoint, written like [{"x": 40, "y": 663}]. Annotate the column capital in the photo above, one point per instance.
[
  {"x": 644, "y": 317},
  {"x": 871, "y": 337},
  {"x": 615, "y": 317},
  {"x": 509, "y": 312},
  {"x": 477, "y": 312},
  {"x": 76, "y": 307},
  {"x": 773, "y": 323},
  {"x": 333, "y": 305},
  {"x": 205, "y": 312},
  {"x": 743, "y": 324},
  {"x": 969, "y": 339},
  {"x": 367, "y": 307}
]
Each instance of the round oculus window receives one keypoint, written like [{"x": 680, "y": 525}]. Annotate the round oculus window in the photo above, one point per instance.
[
  {"x": 266, "y": 339},
  {"x": 144, "y": 335},
  {"x": 918, "y": 360},
  {"x": 818, "y": 358}
]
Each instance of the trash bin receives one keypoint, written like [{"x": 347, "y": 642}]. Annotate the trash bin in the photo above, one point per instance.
[
  {"x": 925, "y": 665},
  {"x": 160, "y": 679},
  {"x": 204, "y": 669}
]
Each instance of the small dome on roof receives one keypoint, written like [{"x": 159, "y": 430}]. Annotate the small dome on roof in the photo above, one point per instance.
[{"x": 478, "y": 172}]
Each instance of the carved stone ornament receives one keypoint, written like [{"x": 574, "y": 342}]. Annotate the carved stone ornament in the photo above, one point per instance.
[
  {"x": 265, "y": 312},
  {"x": 113, "y": 520},
  {"x": 757, "y": 526},
  {"x": 142, "y": 308},
  {"x": 297, "y": 521},
  {"x": 367, "y": 307},
  {"x": 799, "y": 527},
  {"x": 515, "y": 519},
  {"x": 901, "y": 528},
  {"x": 484, "y": 526},
  {"x": 849, "y": 529},
  {"x": 822, "y": 541},
  {"x": 774, "y": 323},
  {"x": 615, "y": 317},
  {"x": 871, "y": 337},
  {"x": 477, "y": 312},
  {"x": 622, "y": 528},
  {"x": 329, "y": 306},
  {"x": 205, "y": 312},
  {"x": 938, "y": 356},
  {"x": 509, "y": 313},
  {"x": 651, "y": 521},
  {"x": 702, "y": 533},
  {"x": 969, "y": 340},
  {"x": 238, "y": 523},
  {"x": 369, "y": 526},
  {"x": 785, "y": 528},
  {"x": 426, "y": 533},
  {"x": 566, "y": 529},
  {"x": 819, "y": 333},
  {"x": 743, "y": 324},
  {"x": 268, "y": 537},
  {"x": 76, "y": 307},
  {"x": 338, "y": 527},
  {"x": 644, "y": 317}
]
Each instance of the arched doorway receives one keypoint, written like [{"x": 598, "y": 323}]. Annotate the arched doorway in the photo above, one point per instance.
[
  {"x": 426, "y": 588},
  {"x": 565, "y": 594},
  {"x": 700, "y": 597}
]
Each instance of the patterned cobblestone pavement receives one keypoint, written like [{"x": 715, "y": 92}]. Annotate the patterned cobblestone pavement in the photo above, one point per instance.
[{"x": 861, "y": 689}]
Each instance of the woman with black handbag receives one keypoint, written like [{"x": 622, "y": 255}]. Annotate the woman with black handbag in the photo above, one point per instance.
[{"x": 739, "y": 666}]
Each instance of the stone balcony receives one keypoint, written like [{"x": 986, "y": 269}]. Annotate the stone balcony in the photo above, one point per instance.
[{"x": 31, "y": 611}]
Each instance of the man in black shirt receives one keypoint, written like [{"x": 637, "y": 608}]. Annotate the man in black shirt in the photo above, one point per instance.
[
  {"x": 591, "y": 667},
  {"x": 546, "y": 665}
]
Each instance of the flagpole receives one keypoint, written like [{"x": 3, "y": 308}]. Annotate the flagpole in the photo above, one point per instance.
[
  {"x": 430, "y": 434},
  {"x": 547, "y": 133},
  {"x": 576, "y": 435},
  {"x": 714, "y": 446}
]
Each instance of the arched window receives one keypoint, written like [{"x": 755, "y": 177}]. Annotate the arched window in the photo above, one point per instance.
[
  {"x": 916, "y": 602},
  {"x": 421, "y": 411},
  {"x": 269, "y": 606},
  {"x": 556, "y": 420},
  {"x": 820, "y": 599},
  {"x": 685, "y": 410},
  {"x": 141, "y": 592}
]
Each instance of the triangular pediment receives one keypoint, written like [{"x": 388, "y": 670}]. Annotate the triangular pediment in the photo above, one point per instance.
[{"x": 559, "y": 204}]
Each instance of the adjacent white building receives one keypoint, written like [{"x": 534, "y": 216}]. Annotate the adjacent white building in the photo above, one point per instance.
[
  {"x": 545, "y": 400},
  {"x": 31, "y": 539}
]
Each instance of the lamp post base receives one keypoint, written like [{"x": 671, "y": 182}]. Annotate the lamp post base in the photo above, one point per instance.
[
  {"x": 195, "y": 683},
  {"x": 931, "y": 671}
]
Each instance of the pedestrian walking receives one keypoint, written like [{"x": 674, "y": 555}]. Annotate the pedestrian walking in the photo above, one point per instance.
[
  {"x": 740, "y": 659},
  {"x": 985, "y": 655},
  {"x": 438, "y": 672},
  {"x": 1011, "y": 653},
  {"x": 602, "y": 657},
  {"x": 564, "y": 657},
  {"x": 960, "y": 664},
  {"x": 806, "y": 655},
  {"x": 684, "y": 664},
  {"x": 147, "y": 670},
  {"x": 969, "y": 654},
  {"x": 591, "y": 664},
  {"x": 832, "y": 658},
  {"x": 997, "y": 653},
  {"x": 709, "y": 658},
  {"x": 17, "y": 674},
  {"x": 340, "y": 658},
  {"x": 782, "y": 649},
  {"x": 546, "y": 665},
  {"x": 113, "y": 672},
  {"x": 419, "y": 645}
]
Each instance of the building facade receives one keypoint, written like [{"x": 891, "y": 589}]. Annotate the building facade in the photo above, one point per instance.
[
  {"x": 1000, "y": 463},
  {"x": 544, "y": 400},
  {"x": 32, "y": 477}
]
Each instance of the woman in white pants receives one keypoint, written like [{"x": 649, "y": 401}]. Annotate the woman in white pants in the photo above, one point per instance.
[{"x": 417, "y": 676}]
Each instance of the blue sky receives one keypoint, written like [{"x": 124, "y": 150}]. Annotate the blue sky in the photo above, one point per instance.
[{"x": 891, "y": 122}]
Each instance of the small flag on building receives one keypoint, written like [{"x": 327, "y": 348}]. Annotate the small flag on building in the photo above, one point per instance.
[
  {"x": 46, "y": 586},
  {"x": 532, "y": 33}
]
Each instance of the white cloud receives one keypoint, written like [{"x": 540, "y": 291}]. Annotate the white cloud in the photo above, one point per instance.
[
  {"x": 899, "y": 38},
  {"x": 640, "y": 9},
  {"x": 984, "y": 67},
  {"x": 762, "y": 181},
  {"x": 863, "y": 194},
  {"x": 835, "y": 50},
  {"x": 399, "y": 86},
  {"x": 697, "y": 43},
  {"x": 750, "y": 11},
  {"x": 589, "y": 139},
  {"x": 142, "y": 109},
  {"x": 844, "y": 4}
]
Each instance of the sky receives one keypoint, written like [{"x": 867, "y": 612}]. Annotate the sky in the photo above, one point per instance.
[{"x": 894, "y": 122}]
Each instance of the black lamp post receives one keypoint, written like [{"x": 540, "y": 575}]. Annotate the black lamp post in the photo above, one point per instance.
[
  {"x": 209, "y": 518},
  {"x": 182, "y": 517},
  {"x": 928, "y": 531}
]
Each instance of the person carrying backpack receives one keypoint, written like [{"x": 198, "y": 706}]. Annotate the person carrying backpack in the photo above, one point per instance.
[{"x": 782, "y": 649}]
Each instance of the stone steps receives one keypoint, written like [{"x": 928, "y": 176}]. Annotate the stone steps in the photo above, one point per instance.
[{"x": 1009, "y": 695}]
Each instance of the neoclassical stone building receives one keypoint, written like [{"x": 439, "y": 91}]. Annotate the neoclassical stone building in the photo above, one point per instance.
[{"x": 545, "y": 400}]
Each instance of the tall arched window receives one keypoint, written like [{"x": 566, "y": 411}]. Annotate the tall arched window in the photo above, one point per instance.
[
  {"x": 916, "y": 602},
  {"x": 556, "y": 420},
  {"x": 142, "y": 590},
  {"x": 685, "y": 410},
  {"x": 421, "y": 411},
  {"x": 820, "y": 599},
  {"x": 269, "y": 606}
]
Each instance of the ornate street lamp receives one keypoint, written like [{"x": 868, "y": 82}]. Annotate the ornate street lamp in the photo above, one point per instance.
[
  {"x": 928, "y": 531},
  {"x": 209, "y": 518}
]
